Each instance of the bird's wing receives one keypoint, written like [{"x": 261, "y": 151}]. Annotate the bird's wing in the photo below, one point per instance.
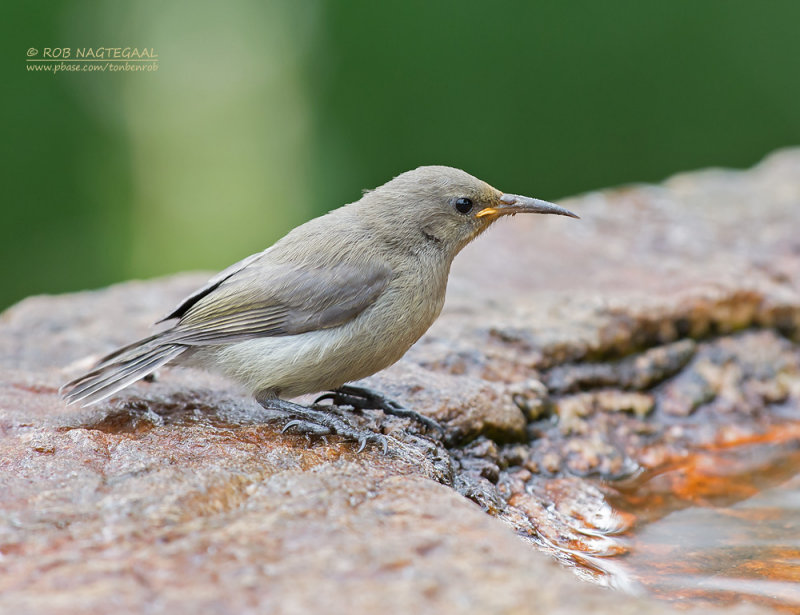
[
  {"x": 260, "y": 299},
  {"x": 213, "y": 283}
]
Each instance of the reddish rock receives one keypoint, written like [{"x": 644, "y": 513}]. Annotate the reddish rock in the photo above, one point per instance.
[{"x": 663, "y": 304}]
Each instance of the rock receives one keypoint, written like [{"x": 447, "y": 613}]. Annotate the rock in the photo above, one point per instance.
[{"x": 567, "y": 349}]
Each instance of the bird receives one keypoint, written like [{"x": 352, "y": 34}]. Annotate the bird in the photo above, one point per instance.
[{"x": 337, "y": 299}]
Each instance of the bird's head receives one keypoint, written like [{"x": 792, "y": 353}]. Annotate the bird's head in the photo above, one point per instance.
[{"x": 445, "y": 207}]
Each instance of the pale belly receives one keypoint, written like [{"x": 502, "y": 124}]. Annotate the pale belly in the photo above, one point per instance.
[{"x": 292, "y": 365}]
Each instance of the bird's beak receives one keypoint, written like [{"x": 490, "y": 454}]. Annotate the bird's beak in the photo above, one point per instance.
[{"x": 516, "y": 204}]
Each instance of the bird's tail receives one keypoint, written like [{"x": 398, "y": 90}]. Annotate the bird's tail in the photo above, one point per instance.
[{"x": 119, "y": 369}]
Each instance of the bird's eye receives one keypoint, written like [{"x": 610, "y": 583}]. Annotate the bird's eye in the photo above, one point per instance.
[{"x": 463, "y": 205}]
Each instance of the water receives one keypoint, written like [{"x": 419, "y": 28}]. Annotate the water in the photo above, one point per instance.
[{"x": 719, "y": 527}]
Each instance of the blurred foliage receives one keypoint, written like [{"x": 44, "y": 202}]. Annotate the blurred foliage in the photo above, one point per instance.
[{"x": 262, "y": 115}]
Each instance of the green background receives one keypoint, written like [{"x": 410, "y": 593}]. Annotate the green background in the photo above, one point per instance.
[{"x": 264, "y": 114}]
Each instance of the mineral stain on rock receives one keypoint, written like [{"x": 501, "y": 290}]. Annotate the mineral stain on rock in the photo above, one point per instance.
[
  {"x": 716, "y": 526},
  {"x": 630, "y": 385}
]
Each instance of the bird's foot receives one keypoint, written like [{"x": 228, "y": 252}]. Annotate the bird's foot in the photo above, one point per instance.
[
  {"x": 320, "y": 423},
  {"x": 363, "y": 398}
]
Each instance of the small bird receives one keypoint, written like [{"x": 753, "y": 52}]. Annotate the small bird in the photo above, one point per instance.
[{"x": 337, "y": 299}]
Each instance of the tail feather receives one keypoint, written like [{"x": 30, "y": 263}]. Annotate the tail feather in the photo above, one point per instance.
[
  {"x": 131, "y": 350},
  {"x": 119, "y": 370}
]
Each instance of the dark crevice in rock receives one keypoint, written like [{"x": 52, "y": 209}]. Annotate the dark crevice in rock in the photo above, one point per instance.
[{"x": 634, "y": 373}]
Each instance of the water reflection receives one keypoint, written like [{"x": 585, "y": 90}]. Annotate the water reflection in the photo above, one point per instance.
[{"x": 720, "y": 527}]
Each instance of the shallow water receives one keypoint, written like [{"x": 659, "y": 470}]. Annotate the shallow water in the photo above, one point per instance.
[{"x": 718, "y": 528}]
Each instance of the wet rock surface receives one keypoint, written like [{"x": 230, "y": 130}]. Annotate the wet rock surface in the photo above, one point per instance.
[{"x": 571, "y": 358}]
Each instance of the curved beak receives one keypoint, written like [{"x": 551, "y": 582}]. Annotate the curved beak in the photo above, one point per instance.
[{"x": 515, "y": 204}]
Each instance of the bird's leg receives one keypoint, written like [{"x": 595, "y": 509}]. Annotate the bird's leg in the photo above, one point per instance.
[
  {"x": 319, "y": 423},
  {"x": 363, "y": 398}
]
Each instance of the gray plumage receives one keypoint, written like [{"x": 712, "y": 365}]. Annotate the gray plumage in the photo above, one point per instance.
[{"x": 335, "y": 300}]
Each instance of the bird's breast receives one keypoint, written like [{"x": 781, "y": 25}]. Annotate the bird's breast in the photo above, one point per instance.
[{"x": 324, "y": 359}]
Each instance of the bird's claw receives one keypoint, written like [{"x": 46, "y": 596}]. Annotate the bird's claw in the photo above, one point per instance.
[
  {"x": 362, "y": 398},
  {"x": 324, "y": 396},
  {"x": 307, "y": 427},
  {"x": 372, "y": 437},
  {"x": 311, "y": 422}
]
